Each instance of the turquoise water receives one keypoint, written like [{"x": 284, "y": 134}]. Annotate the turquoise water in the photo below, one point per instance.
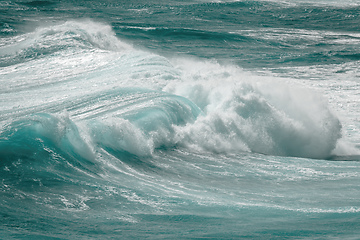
[{"x": 179, "y": 119}]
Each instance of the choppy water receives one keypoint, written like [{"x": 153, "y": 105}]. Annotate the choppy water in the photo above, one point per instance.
[{"x": 179, "y": 119}]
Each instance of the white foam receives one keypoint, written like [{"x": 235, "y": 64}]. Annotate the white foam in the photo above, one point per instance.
[{"x": 248, "y": 112}]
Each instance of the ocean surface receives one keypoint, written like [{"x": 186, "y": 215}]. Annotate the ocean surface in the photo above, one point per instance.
[{"x": 192, "y": 119}]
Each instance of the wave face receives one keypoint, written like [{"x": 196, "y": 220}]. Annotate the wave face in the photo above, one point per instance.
[{"x": 199, "y": 119}]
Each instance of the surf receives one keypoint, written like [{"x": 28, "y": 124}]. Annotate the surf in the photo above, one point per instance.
[
  {"x": 178, "y": 120},
  {"x": 226, "y": 108}
]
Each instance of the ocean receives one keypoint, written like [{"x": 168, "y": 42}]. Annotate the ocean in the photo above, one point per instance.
[{"x": 194, "y": 119}]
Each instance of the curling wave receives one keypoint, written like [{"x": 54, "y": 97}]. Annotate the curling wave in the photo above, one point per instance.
[{"x": 198, "y": 105}]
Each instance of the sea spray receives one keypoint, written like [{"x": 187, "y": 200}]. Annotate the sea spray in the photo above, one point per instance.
[{"x": 245, "y": 112}]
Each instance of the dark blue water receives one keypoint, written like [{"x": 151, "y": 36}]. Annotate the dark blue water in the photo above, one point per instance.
[{"x": 179, "y": 119}]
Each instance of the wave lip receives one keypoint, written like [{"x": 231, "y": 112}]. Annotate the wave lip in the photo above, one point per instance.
[
  {"x": 145, "y": 122},
  {"x": 45, "y": 143},
  {"x": 127, "y": 119}
]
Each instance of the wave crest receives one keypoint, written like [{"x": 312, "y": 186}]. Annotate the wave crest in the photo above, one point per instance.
[{"x": 48, "y": 40}]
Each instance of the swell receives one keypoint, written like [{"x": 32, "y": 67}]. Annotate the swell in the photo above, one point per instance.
[
  {"x": 253, "y": 34},
  {"x": 297, "y": 15},
  {"x": 207, "y": 25},
  {"x": 262, "y": 47}
]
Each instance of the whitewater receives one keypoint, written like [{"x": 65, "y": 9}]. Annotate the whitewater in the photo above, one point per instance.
[{"x": 179, "y": 119}]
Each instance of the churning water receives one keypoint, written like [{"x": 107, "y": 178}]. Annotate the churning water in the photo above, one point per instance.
[{"x": 179, "y": 119}]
